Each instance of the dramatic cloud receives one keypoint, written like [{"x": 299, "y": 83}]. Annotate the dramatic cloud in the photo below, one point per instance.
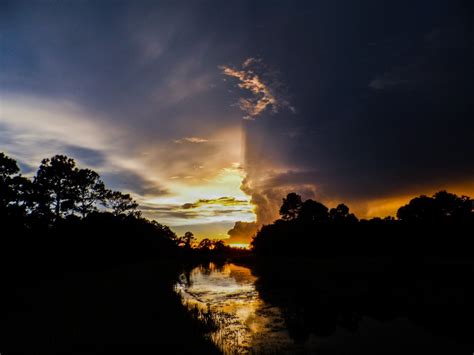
[
  {"x": 242, "y": 232},
  {"x": 384, "y": 111},
  {"x": 205, "y": 217},
  {"x": 263, "y": 95},
  {"x": 268, "y": 197},
  {"x": 382, "y": 115},
  {"x": 116, "y": 106},
  {"x": 35, "y": 128},
  {"x": 250, "y": 81},
  {"x": 222, "y": 201}
]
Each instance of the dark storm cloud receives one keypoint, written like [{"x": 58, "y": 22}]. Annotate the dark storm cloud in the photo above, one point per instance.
[
  {"x": 431, "y": 64},
  {"x": 383, "y": 94}
]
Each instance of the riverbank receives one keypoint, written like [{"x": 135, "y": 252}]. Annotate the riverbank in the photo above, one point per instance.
[{"x": 129, "y": 309}]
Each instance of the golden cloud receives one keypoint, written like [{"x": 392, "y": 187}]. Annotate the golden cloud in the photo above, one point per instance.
[
  {"x": 222, "y": 201},
  {"x": 263, "y": 96}
]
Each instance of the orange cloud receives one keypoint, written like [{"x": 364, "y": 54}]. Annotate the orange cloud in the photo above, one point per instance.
[
  {"x": 242, "y": 233},
  {"x": 252, "y": 82}
]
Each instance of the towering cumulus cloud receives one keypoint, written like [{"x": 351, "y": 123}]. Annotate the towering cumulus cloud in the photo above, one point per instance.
[{"x": 266, "y": 99}]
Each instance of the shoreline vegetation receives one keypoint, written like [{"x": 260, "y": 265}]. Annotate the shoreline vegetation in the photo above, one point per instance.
[{"x": 84, "y": 272}]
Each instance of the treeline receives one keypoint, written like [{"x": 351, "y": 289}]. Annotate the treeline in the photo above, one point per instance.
[
  {"x": 58, "y": 190},
  {"x": 66, "y": 212},
  {"x": 65, "y": 217},
  {"x": 440, "y": 225}
]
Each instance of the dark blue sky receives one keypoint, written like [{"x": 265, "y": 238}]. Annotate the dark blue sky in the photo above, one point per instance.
[{"x": 367, "y": 102}]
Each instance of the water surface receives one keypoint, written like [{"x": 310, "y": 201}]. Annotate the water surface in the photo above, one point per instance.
[
  {"x": 246, "y": 322},
  {"x": 302, "y": 322}
]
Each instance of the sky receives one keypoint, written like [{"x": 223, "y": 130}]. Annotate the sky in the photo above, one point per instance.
[{"x": 209, "y": 112}]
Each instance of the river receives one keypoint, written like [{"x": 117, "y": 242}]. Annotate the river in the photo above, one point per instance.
[{"x": 249, "y": 324}]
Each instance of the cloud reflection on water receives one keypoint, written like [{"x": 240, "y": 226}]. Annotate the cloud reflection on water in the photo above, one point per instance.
[{"x": 246, "y": 322}]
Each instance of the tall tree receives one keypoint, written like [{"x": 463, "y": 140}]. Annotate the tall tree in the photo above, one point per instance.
[
  {"x": 13, "y": 186},
  {"x": 89, "y": 190},
  {"x": 54, "y": 183},
  {"x": 187, "y": 239},
  {"x": 8, "y": 169}
]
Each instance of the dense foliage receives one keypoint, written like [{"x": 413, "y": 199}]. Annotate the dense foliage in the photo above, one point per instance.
[{"x": 437, "y": 225}]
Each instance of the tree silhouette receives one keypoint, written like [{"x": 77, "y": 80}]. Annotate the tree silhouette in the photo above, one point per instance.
[
  {"x": 313, "y": 212},
  {"x": 291, "y": 206},
  {"x": 419, "y": 209},
  {"x": 218, "y": 245},
  {"x": 120, "y": 203},
  {"x": 8, "y": 167},
  {"x": 442, "y": 206},
  {"x": 341, "y": 214},
  {"x": 54, "y": 184},
  {"x": 451, "y": 205},
  {"x": 187, "y": 239},
  {"x": 89, "y": 190},
  {"x": 8, "y": 170},
  {"x": 165, "y": 231},
  {"x": 13, "y": 186},
  {"x": 205, "y": 244}
]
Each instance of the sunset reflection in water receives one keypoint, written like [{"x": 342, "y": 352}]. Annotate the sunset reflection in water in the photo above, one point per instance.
[{"x": 245, "y": 321}]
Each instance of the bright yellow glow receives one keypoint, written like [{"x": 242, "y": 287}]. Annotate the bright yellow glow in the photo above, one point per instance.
[
  {"x": 240, "y": 245},
  {"x": 223, "y": 199},
  {"x": 226, "y": 183}
]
